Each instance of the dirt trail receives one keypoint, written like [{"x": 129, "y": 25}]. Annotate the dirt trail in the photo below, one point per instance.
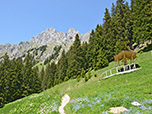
[{"x": 65, "y": 100}]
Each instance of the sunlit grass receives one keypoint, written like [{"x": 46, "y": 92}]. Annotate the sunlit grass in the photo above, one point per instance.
[{"x": 94, "y": 97}]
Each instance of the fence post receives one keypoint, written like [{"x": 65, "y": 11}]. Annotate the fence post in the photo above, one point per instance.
[
  {"x": 116, "y": 69},
  {"x": 129, "y": 67},
  {"x": 124, "y": 68},
  {"x": 110, "y": 72}
]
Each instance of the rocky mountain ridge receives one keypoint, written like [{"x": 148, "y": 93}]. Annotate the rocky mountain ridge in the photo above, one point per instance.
[{"x": 42, "y": 45}]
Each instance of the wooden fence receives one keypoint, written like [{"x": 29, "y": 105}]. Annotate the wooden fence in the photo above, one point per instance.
[{"x": 119, "y": 70}]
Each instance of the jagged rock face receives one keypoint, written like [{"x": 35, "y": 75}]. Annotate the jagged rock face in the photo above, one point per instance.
[
  {"x": 50, "y": 35},
  {"x": 50, "y": 38}
]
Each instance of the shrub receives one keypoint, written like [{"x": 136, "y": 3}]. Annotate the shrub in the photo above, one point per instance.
[
  {"x": 78, "y": 78},
  {"x": 86, "y": 79}
]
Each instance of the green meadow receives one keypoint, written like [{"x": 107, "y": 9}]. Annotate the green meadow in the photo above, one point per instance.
[{"x": 94, "y": 97}]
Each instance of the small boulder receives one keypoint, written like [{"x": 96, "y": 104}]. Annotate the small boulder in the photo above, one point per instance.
[
  {"x": 135, "y": 103},
  {"x": 117, "y": 110}
]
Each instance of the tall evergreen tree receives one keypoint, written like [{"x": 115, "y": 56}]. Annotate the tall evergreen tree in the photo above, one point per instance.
[
  {"x": 42, "y": 74},
  {"x": 62, "y": 67},
  {"x": 108, "y": 40},
  {"x": 52, "y": 75},
  {"x": 6, "y": 77},
  {"x": 89, "y": 55},
  {"x": 1, "y": 86},
  {"x": 83, "y": 54},
  {"x": 113, "y": 10},
  {"x": 46, "y": 77},
  {"x": 36, "y": 83},
  {"x": 97, "y": 44},
  {"x": 15, "y": 80},
  {"x": 122, "y": 41},
  {"x": 142, "y": 28},
  {"x": 74, "y": 58},
  {"x": 27, "y": 76}
]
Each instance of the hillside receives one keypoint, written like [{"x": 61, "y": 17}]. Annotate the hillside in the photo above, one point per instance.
[{"x": 94, "y": 97}]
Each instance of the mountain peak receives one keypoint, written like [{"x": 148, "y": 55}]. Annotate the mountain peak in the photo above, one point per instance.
[
  {"x": 50, "y": 38},
  {"x": 71, "y": 30},
  {"x": 50, "y": 30}
]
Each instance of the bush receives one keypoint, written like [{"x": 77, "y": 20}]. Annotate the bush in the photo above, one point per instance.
[
  {"x": 78, "y": 78},
  {"x": 86, "y": 79},
  {"x": 66, "y": 78}
]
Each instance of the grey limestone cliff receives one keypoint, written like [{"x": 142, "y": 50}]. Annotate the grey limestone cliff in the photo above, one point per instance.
[{"x": 42, "y": 45}]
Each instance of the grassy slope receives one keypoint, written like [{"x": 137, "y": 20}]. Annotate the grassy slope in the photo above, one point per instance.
[
  {"x": 95, "y": 97},
  {"x": 45, "y": 102}
]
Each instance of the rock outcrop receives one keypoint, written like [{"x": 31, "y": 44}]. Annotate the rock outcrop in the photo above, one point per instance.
[{"x": 47, "y": 40}]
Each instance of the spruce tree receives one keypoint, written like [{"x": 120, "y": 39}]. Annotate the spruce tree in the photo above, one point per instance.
[
  {"x": 52, "y": 75},
  {"x": 102, "y": 60},
  {"x": 74, "y": 59},
  {"x": 113, "y": 10},
  {"x": 42, "y": 73},
  {"x": 122, "y": 26},
  {"x": 107, "y": 38},
  {"x": 15, "y": 80},
  {"x": 6, "y": 77},
  {"x": 83, "y": 54},
  {"x": 62, "y": 67},
  {"x": 1, "y": 86},
  {"x": 46, "y": 77},
  {"x": 89, "y": 54},
  {"x": 142, "y": 29},
  {"x": 97, "y": 44},
  {"x": 27, "y": 76},
  {"x": 36, "y": 83}
]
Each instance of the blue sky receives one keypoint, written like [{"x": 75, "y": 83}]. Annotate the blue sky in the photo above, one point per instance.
[{"x": 22, "y": 19}]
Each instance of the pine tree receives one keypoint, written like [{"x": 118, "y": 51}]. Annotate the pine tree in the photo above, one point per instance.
[
  {"x": 74, "y": 59},
  {"x": 83, "y": 54},
  {"x": 122, "y": 40},
  {"x": 89, "y": 54},
  {"x": 15, "y": 80},
  {"x": 6, "y": 77},
  {"x": 97, "y": 44},
  {"x": 113, "y": 10},
  {"x": 27, "y": 76},
  {"x": 142, "y": 29},
  {"x": 42, "y": 73},
  {"x": 132, "y": 5},
  {"x": 107, "y": 38},
  {"x": 36, "y": 83},
  {"x": 46, "y": 77},
  {"x": 62, "y": 67},
  {"x": 52, "y": 75},
  {"x": 1, "y": 86},
  {"x": 102, "y": 60}
]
